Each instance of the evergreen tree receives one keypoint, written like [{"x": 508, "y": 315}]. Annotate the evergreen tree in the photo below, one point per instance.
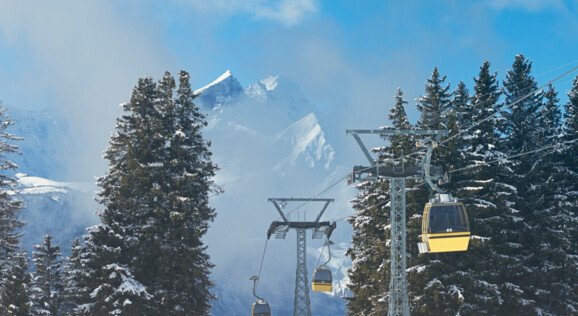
[
  {"x": 434, "y": 105},
  {"x": 514, "y": 244},
  {"x": 570, "y": 128},
  {"x": 521, "y": 108},
  {"x": 156, "y": 207},
  {"x": 400, "y": 145},
  {"x": 370, "y": 251},
  {"x": 47, "y": 287},
  {"x": 479, "y": 189},
  {"x": 551, "y": 279},
  {"x": 462, "y": 105},
  {"x": 14, "y": 298},
  {"x": 185, "y": 185},
  {"x": 75, "y": 290},
  {"x": 112, "y": 286},
  {"x": 550, "y": 118},
  {"x": 10, "y": 225},
  {"x": 560, "y": 270}
]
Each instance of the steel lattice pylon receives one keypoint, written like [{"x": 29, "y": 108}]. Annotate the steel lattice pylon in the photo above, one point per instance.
[
  {"x": 398, "y": 300},
  {"x": 301, "y": 304},
  {"x": 398, "y": 295},
  {"x": 280, "y": 229}
]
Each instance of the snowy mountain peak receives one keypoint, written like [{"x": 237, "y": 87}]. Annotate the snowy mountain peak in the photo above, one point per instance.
[
  {"x": 221, "y": 91},
  {"x": 270, "y": 82},
  {"x": 257, "y": 91},
  {"x": 260, "y": 90},
  {"x": 222, "y": 77}
]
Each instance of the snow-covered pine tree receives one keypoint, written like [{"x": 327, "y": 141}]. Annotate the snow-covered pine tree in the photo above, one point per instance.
[
  {"x": 46, "y": 289},
  {"x": 10, "y": 225},
  {"x": 549, "y": 283},
  {"x": 461, "y": 103},
  {"x": 156, "y": 207},
  {"x": 400, "y": 145},
  {"x": 563, "y": 222},
  {"x": 370, "y": 251},
  {"x": 75, "y": 291},
  {"x": 513, "y": 245},
  {"x": 521, "y": 109},
  {"x": 570, "y": 134},
  {"x": 550, "y": 118},
  {"x": 434, "y": 105},
  {"x": 113, "y": 247},
  {"x": 477, "y": 187},
  {"x": 14, "y": 298},
  {"x": 184, "y": 195},
  {"x": 111, "y": 284}
]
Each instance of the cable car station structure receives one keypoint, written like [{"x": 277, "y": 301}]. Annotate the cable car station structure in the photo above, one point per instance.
[
  {"x": 398, "y": 297},
  {"x": 281, "y": 228}
]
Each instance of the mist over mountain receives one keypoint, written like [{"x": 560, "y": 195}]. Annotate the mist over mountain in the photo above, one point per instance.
[
  {"x": 269, "y": 141},
  {"x": 45, "y": 143}
]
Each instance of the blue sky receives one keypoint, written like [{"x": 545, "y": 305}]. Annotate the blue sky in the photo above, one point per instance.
[{"x": 348, "y": 56}]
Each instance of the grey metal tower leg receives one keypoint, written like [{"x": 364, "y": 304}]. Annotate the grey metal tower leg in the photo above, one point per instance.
[
  {"x": 301, "y": 307},
  {"x": 398, "y": 299}
]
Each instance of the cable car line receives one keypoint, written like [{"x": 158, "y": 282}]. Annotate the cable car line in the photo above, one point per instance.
[
  {"x": 517, "y": 155},
  {"x": 321, "y": 253},
  {"x": 510, "y": 105},
  {"x": 557, "y": 68},
  {"x": 261, "y": 266}
]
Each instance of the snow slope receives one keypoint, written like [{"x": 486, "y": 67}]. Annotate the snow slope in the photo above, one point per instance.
[{"x": 63, "y": 209}]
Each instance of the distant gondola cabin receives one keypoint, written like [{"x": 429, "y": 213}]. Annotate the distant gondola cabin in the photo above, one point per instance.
[
  {"x": 261, "y": 308},
  {"x": 445, "y": 228},
  {"x": 322, "y": 280}
]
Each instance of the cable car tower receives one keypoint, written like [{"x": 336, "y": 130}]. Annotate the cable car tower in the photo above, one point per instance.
[
  {"x": 398, "y": 299},
  {"x": 280, "y": 229}
]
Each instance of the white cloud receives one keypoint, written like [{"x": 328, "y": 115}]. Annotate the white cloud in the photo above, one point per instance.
[
  {"x": 82, "y": 56},
  {"x": 286, "y": 12}
]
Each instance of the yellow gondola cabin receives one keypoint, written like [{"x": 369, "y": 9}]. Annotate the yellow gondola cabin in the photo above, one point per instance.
[
  {"x": 445, "y": 227},
  {"x": 322, "y": 280}
]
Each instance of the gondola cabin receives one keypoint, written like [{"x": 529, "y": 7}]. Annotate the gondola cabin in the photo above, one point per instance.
[
  {"x": 322, "y": 280},
  {"x": 261, "y": 308},
  {"x": 445, "y": 227}
]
